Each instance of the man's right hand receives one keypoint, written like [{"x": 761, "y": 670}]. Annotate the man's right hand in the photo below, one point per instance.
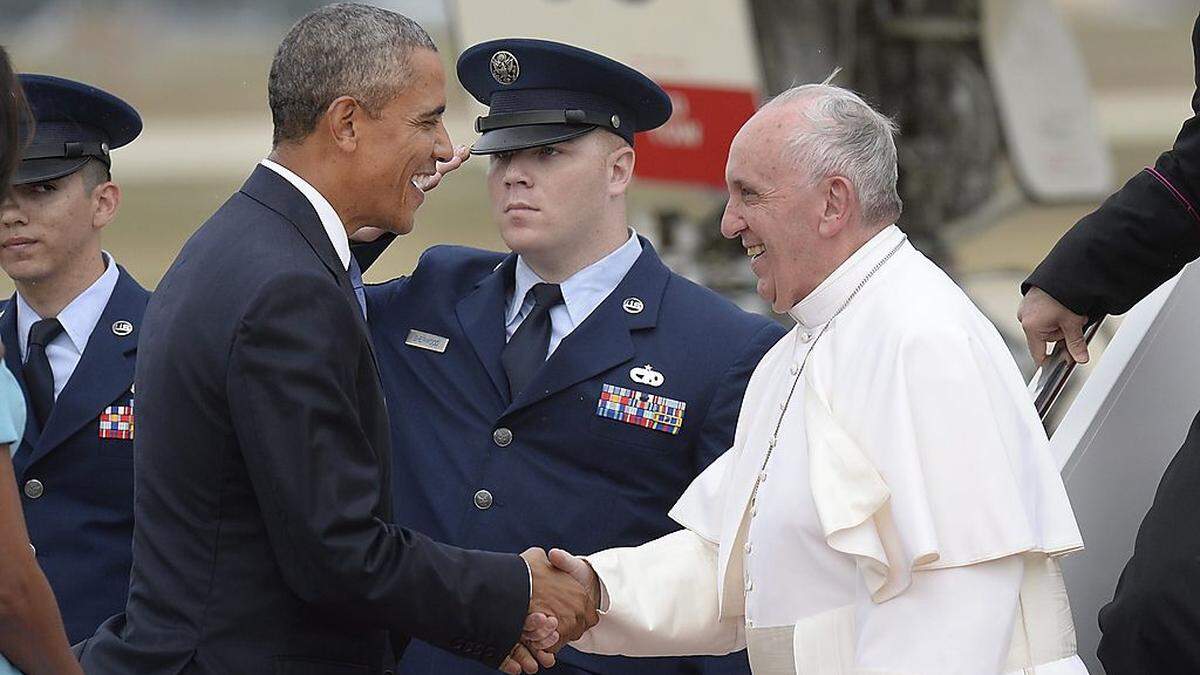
[
  {"x": 558, "y": 594},
  {"x": 1046, "y": 320}
]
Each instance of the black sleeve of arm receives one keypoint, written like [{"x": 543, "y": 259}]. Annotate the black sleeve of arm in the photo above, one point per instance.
[
  {"x": 1139, "y": 238},
  {"x": 366, "y": 253},
  {"x": 294, "y": 391}
]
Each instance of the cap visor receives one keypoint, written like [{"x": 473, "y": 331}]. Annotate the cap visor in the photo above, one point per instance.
[
  {"x": 519, "y": 138},
  {"x": 40, "y": 170}
]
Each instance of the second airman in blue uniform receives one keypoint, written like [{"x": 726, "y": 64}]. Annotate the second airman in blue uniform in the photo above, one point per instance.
[{"x": 70, "y": 337}]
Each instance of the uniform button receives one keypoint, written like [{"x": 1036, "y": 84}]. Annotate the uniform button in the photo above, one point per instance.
[
  {"x": 483, "y": 500},
  {"x": 805, "y": 336},
  {"x": 502, "y": 437},
  {"x": 34, "y": 489}
]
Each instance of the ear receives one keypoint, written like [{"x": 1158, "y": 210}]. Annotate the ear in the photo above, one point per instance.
[
  {"x": 620, "y": 170},
  {"x": 841, "y": 202},
  {"x": 342, "y": 119},
  {"x": 106, "y": 199}
]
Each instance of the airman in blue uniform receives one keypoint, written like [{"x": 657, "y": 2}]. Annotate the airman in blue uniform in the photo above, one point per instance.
[
  {"x": 70, "y": 338},
  {"x": 576, "y": 375}
]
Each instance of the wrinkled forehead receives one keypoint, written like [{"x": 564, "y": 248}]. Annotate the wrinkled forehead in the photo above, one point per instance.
[{"x": 759, "y": 150}]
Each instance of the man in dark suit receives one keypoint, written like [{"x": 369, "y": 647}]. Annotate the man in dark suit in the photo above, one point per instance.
[
  {"x": 516, "y": 422},
  {"x": 70, "y": 338},
  {"x": 264, "y": 539},
  {"x": 1139, "y": 238}
]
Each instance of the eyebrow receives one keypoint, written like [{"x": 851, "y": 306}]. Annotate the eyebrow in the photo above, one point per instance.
[{"x": 436, "y": 112}]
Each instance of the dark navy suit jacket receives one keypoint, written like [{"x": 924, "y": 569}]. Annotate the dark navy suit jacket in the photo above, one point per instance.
[
  {"x": 81, "y": 518},
  {"x": 263, "y": 535},
  {"x": 568, "y": 477}
]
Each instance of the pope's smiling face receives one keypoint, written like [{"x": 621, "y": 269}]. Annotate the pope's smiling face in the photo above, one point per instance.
[{"x": 773, "y": 209}]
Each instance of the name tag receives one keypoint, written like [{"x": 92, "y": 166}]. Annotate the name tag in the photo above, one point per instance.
[{"x": 422, "y": 340}]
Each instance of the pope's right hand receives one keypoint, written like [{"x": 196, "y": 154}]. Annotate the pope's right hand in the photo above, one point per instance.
[{"x": 558, "y": 593}]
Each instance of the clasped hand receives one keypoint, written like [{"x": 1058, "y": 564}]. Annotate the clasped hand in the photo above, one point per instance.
[{"x": 563, "y": 606}]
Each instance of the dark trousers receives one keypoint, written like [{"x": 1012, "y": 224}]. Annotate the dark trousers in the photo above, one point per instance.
[{"x": 1152, "y": 625}]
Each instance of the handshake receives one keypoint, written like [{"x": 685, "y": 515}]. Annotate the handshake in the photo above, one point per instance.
[{"x": 563, "y": 605}]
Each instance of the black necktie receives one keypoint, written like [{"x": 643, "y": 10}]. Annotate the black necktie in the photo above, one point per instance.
[
  {"x": 527, "y": 348},
  {"x": 39, "y": 379}
]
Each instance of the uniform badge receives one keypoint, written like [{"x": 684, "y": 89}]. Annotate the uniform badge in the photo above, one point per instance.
[
  {"x": 422, "y": 340},
  {"x": 647, "y": 375},
  {"x": 117, "y": 422},
  {"x": 122, "y": 328},
  {"x": 639, "y": 408},
  {"x": 505, "y": 68},
  {"x": 633, "y": 305}
]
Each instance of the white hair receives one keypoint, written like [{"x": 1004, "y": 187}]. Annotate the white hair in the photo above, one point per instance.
[{"x": 843, "y": 135}]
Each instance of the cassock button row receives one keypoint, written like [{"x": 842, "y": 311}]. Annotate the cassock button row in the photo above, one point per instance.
[
  {"x": 34, "y": 489},
  {"x": 483, "y": 500},
  {"x": 502, "y": 437}
]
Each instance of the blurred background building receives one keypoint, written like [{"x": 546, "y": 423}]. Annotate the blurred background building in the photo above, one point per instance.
[{"x": 197, "y": 72}]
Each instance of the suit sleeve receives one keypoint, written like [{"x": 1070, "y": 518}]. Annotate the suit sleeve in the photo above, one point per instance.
[
  {"x": 1140, "y": 237},
  {"x": 662, "y": 601},
  {"x": 716, "y": 435},
  {"x": 293, "y": 390}
]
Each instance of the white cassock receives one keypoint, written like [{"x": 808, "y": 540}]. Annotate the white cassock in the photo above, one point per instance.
[{"x": 908, "y": 520}]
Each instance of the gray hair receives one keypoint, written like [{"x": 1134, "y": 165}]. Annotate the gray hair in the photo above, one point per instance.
[
  {"x": 845, "y": 136},
  {"x": 344, "y": 49}
]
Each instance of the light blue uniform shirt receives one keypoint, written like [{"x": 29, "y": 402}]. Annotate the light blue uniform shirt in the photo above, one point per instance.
[
  {"x": 582, "y": 292},
  {"x": 78, "y": 319}
]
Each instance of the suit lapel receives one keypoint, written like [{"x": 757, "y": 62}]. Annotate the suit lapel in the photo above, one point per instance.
[
  {"x": 481, "y": 315},
  {"x": 12, "y": 358},
  {"x": 276, "y": 193},
  {"x": 104, "y": 372},
  {"x": 603, "y": 340}
]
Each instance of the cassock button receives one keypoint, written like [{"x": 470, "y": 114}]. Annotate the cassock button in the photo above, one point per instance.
[
  {"x": 794, "y": 370},
  {"x": 762, "y": 476},
  {"x": 748, "y": 547},
  {"x": 749, "y": 585},
  {"x": 34, "y": 489},
  {"x": 483, "y": 500},
  {"x": 805, "y": 336},
  {"x": 502, "y": 437}
]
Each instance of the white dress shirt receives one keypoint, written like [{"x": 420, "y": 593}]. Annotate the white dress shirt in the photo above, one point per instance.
[
  {"x": 907, "y": 520},
  {"x": 334, "y": 228},
  {"x": 78, "y": 319},
  {"x": 582, "y": 292}
]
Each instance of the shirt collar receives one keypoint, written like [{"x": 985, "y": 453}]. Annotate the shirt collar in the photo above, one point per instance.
[
  {"x": 583, "y": 291},
  {"x": 329, "y": 218},
  {"x": 818, "y": 307},
  {"x": 79, "y": 318}
]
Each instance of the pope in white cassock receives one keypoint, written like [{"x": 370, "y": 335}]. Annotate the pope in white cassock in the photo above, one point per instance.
[{"x": 890, "y": 504}]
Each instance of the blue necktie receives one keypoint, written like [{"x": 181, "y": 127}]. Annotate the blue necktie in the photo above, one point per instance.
[
  {"x": 356, "y": 283},
  {"x": 526, "y": 350}
]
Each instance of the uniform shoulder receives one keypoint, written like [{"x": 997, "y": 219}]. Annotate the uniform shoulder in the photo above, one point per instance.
[
  {"x": 457, "y": 262},
  {"x": 717, "y": 312}
]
